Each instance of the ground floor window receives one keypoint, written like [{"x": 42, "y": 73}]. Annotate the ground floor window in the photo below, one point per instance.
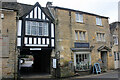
[{"x": 82, "y": 61}]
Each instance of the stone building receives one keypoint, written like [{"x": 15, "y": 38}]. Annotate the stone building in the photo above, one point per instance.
[
  {"x": 8, "y": 53},
  {"x": 82, "y": 39},
  {"x": 62, "y": 41},
  {"x": 114, "y": 27}
]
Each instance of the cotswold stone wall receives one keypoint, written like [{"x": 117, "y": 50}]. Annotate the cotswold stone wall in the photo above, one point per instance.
[
  {"x": 8, "y": 38},
  {"x": 65, "y": 37}
]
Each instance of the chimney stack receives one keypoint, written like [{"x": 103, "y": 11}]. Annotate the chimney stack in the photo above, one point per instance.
[{"x": 49, "y": 4}]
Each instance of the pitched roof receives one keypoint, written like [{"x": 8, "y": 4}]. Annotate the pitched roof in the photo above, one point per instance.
[
  {"x": 113, "y": 26},
  {"x": 23, "y": 9},
  {"x": 78, "y": 11}
]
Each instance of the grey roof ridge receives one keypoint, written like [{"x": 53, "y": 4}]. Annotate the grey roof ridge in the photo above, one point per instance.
[{"x": 78, "y": 11}]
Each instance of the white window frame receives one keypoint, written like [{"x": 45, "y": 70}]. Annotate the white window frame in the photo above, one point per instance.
[
  {"x": 78, "y": 53},
  {"x": 100, "y": 37},
  {"x": 44, "y": 27},
  {"x": 79, "y": 17},
  {"x": 98, "y": 21},
  {"x": 80, "y": 35}
]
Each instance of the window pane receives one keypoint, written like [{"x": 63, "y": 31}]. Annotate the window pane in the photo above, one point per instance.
[
  {"x": 82, "y": 61},
  {"x": 80, "y": 34},
  {"x": 34, "y": 30},
  {"x": 115, "y": 56},
  {"x": 83, "y": 35},
  {"x": 81, "y": 17},
  {"x": 28, "y": 28},
  {"x": 77, "y": 17},
  {"x": 103, "y": 37},
  {"x": 98, "y": 21},
  {"x": 118, "y": 55},
  {"x": 45, "y": 29},
  {"x": 40, "y": 29},
  {"x": 76, "y": 35}
]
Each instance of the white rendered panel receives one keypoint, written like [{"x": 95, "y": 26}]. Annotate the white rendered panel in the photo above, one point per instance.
[
  {"x": 43, "y": 40},
  {"x": 35, "y": 48},
  {"x": 39, "y": 40},
  {"x": 19, "y": 27},
  {"x": 31, "y": 14},
  {"x": 27, "y": 16},
  {"x": 35, "y": 12},
  {"x": 47, "y": 40},
  {"x": 36, "y": 45},
  {"x": 30, "y": 40},
  {"x": 52, "y": 42},
  {"x": 39, "y": 13},
  {"x": 35, "y": 40},
  {"x": 47, "y": 19},
  {"x": 25, "y": 40},
  {"x": 43, "y": 16},
  {"x": 52, "y": 30},
  {"x": 18, "y": 41}
]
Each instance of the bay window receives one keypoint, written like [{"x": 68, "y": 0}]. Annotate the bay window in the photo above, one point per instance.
[{"x": 36, "y": 28}]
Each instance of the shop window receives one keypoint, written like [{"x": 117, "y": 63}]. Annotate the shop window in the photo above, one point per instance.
[{"x": 82, "y": 62}]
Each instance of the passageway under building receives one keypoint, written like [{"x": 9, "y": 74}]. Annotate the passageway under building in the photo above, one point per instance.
[{"x": 39, "y": 64}]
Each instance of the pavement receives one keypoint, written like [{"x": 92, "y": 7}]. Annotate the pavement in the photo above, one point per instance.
[{"x": 109, "y": 75}]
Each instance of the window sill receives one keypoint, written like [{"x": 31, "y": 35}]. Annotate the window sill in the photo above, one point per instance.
[
  {"x": 82, "y": 70},
  {"x": 80, "y": 40},
  {"x": 80, "y": 22},
  {"x": 101, "y": 41},
  {"x": 100, "y": 25},
  {"x": 116, "y": 44}
]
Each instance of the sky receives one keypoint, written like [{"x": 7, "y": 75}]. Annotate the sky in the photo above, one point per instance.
[{"x": 108, "y": 8}]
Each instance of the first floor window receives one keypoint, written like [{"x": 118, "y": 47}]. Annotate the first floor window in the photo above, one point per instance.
[
  {"x": 36, "y": 28},
  {"x": 76, "y": 35},
  {"x": 100, "y": 37},
  {"x": 80, "y": 35},
  {"x": 82, "y": 61}
]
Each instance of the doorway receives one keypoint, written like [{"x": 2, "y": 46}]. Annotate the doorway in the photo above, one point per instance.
[{"x": 104, "y": 59}]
